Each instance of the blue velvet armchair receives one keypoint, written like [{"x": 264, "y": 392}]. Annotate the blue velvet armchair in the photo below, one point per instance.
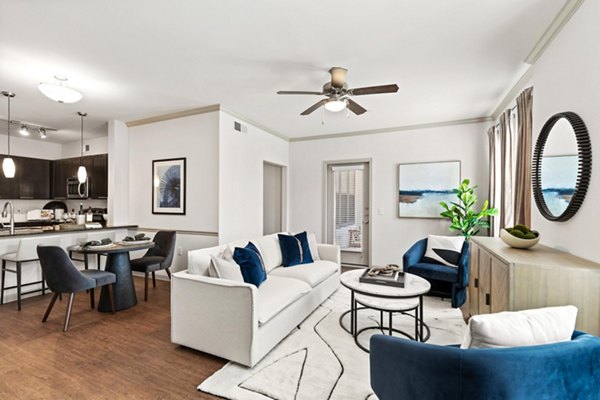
[
  {"x": 449, "y": 280},
  {"x": 405, "y": 369}
]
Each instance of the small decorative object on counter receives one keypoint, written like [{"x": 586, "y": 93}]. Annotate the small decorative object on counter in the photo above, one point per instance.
[{"x": 520, "y": 237}]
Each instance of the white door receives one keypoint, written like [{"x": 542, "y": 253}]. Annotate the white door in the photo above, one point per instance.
[
  {"x": 348, "y": 211},
  {"x": 272, "y": 198}
]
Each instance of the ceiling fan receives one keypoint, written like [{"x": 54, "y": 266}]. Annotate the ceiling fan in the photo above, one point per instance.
[{"x": 338, "y": 94}]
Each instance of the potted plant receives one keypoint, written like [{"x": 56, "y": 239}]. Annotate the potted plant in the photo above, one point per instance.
[{"x": 462, "y": 216}]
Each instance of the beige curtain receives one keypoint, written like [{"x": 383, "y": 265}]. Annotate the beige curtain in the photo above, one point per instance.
[
  {"x": 522, "y": 202},
  {"x": 494, "y": 227},
  {"x": 506, "y": 140}
]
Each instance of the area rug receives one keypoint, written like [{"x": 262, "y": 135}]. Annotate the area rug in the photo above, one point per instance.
[{"x": 320, "y": 361}]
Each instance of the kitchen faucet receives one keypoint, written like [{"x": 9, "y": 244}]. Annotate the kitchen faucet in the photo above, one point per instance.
[{"x": 12, "y": 216}]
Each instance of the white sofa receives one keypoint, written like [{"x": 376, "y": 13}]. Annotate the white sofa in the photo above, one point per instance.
[{"x": 238, "y": 321}]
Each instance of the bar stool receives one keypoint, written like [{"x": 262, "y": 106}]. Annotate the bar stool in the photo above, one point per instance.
[
  {"x": 87, "y": 238},
  {"x": 26, "y": 252}
]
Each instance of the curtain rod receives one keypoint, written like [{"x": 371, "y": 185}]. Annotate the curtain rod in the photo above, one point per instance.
[{"x": 511, "y": 109}]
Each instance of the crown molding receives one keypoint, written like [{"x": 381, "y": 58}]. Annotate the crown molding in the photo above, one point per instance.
[
  {"x": 513, "y": 92},
  {"x": 173, "y": 115},
  {"x": 467, "y": 121},
  {"x": 559, "y": 22}
]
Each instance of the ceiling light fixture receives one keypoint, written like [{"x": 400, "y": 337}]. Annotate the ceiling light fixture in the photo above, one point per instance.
[
  {"x": 59, "y": 92},
  {"x": 42, "y": 133},
  {"x": 81, "y": 171},
  {"x": 8, "y": 164},
  {"x": 24, "y": 130},
  {"x": 335, "y": 105}
]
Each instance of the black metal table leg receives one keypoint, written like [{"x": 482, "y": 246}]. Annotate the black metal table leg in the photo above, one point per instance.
[
  {"x": 421, "y": 318},
  {"x": 124, "y": 289},
  {"x": 19, "y": 285},
  {"x": 352, "y": 312}
]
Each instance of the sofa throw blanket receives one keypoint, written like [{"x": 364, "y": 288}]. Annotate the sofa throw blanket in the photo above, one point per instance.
[{"x": 444, "y": 250}]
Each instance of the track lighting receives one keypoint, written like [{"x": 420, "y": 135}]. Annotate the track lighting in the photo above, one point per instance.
[{"x": 24, "y": 130}]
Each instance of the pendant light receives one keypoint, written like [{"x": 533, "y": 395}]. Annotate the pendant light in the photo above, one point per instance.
[
  {"x": 81, "y": 171},
  {"x": 8, "y": 164}
]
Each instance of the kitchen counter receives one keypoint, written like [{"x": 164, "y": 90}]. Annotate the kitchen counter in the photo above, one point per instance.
[{"x": 37, "y": 230}]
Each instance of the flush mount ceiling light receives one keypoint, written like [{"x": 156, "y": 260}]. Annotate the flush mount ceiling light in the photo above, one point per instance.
[
  {"x": 24, "y": 130},
  {"x": 8, "y": 164},
  {"x": 59, "y": 91},
  {"x": 335, "y": 105}
]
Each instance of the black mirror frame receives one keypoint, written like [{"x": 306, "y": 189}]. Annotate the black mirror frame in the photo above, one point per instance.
[{"x": 584, "y": 173}]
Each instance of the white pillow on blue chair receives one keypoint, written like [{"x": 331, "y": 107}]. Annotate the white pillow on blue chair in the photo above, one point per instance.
[{"x": 444, "y": 250}]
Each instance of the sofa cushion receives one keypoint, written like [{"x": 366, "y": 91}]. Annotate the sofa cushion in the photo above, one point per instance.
[
  {"x": 444, "y": 250},
  {"x": 521, "y": 328},
  {"x": 270, "y": 251},
  {"x": 294, "y": 249},
  {"x": 434, "y": 271},
  {"x": 251, "y": 264},
  {"x": 276, "y": 293},
  {"x": 225, "y": 269},
  {"x": 312, "y": 274}
]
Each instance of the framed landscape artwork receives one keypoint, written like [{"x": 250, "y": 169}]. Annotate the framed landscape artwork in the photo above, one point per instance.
[
  {"x": 423, "y": 185},
  {"x": 168, "y": 191}
]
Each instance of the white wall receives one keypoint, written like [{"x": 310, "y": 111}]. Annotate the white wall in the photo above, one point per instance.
[
  {"x": 196, "y": 138},
  {"x": 97, "y": 146},
  {"x": 22, "y": 146},
  {"x": 567, "y": 78},
  {"x": 391, "y": 236},
  {"x": 241, "y": 158}
]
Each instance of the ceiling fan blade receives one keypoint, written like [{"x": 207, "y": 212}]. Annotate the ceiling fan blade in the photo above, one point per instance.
[
  {"x": 374, "y": 90},
  {"x": 314, "y": 107},
  {"x": 298, "y": 92},
  {"x": 355, "y": 107}
]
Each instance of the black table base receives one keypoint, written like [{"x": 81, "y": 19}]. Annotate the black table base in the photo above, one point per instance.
[{"x": 124, "y": 289}]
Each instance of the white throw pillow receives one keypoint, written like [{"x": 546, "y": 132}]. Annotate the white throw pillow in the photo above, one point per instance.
[
  {"x": 520, "y": 328},
  {"x": 312, "y": 245},
  {"x": 225, "y": 269},
  {"x": 444, "y": 250}
]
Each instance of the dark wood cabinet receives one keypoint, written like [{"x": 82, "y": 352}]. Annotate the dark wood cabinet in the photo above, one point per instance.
[
  {"x": 99, "y": 176},
  {"x": 34, "y": 178},
  {"x": 9, "y": 187},
  {"x": 97, "y": 170}
]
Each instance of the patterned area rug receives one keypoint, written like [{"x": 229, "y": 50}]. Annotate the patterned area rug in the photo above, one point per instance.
[{"x": 320, "y": 361}]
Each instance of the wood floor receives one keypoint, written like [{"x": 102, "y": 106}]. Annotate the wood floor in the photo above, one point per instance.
[{"x": 126, "y": 355}]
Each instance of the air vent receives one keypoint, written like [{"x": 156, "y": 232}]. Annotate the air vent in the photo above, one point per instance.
[{"x": 239, "y": 127}]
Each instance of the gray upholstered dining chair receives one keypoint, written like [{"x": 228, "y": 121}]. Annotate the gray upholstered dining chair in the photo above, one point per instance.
[
  {"x": 157, "y": 258},
  {"x": 63, "y": 277}
]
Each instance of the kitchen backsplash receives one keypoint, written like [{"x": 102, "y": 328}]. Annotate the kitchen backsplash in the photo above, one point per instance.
[{"x": 22, "y": 206}]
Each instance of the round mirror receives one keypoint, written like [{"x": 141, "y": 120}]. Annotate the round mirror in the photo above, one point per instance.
[{"x": 561, "y": 166}]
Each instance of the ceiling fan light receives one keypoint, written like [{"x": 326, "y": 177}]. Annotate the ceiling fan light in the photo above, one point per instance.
[
  {"x": 338, "y": 76},
  {"x": 335, "y": 105},
  {"x": 8, "y": 167},
  {"x": 60, "y": 93}
]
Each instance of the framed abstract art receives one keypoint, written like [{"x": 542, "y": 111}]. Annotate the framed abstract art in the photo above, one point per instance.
[
  {"x": 168, "y": 186},
  {"x": 423, "y": 185}
]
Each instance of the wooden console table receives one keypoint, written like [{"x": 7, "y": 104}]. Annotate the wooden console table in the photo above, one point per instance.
[{"x": 507, "y": 279}]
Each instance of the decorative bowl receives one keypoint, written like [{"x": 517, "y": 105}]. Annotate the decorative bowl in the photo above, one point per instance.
[{"x": 516, "y": 242}]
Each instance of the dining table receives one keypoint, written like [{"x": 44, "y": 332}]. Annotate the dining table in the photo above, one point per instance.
[{"x": 117, "y": 262}]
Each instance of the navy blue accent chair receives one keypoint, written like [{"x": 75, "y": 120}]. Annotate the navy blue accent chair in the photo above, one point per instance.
[
  {"x": 405, "y": 369},
  {"x": 450, "y": 280}
]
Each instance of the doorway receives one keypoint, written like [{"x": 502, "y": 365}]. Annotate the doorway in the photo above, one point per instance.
[
  {"x": 273, "y": 198},
  {"x": 347, "y": 210}
]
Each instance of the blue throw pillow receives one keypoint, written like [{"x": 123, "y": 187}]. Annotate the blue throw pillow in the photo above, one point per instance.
[
  {"x": 294, "y": 249},
  {"x": 251, "y": 264}
]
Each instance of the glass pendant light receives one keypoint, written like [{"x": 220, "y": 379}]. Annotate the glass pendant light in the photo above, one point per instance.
[
  {"x": 81, "y": 171},
  {"x": 8, "y": 164}
]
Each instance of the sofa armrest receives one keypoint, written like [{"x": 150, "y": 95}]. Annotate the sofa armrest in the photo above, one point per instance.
[
  {"x": 414, "y": 255},
  {"x": 213, "y": 315},
  {"x": 330, "y": 252}
]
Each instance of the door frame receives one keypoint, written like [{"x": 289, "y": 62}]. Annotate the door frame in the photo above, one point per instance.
[
  {"x": 284, "y": 192},
  {"x": 324, "y": 208}
]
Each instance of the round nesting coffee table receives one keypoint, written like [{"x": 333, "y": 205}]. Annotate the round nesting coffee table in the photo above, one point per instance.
[{"x": 388, "y": 299}]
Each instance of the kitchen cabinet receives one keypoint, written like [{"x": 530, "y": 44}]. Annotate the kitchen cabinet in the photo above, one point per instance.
[
  {"x": 34, "y": 178},
  {"x": 9, "y": 187},
  {"x": 96, "y": 167},
  {"x": 505, "y": 279}
]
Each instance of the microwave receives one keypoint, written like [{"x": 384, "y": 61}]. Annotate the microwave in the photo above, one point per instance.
[{"x": 76, "y": 190}]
